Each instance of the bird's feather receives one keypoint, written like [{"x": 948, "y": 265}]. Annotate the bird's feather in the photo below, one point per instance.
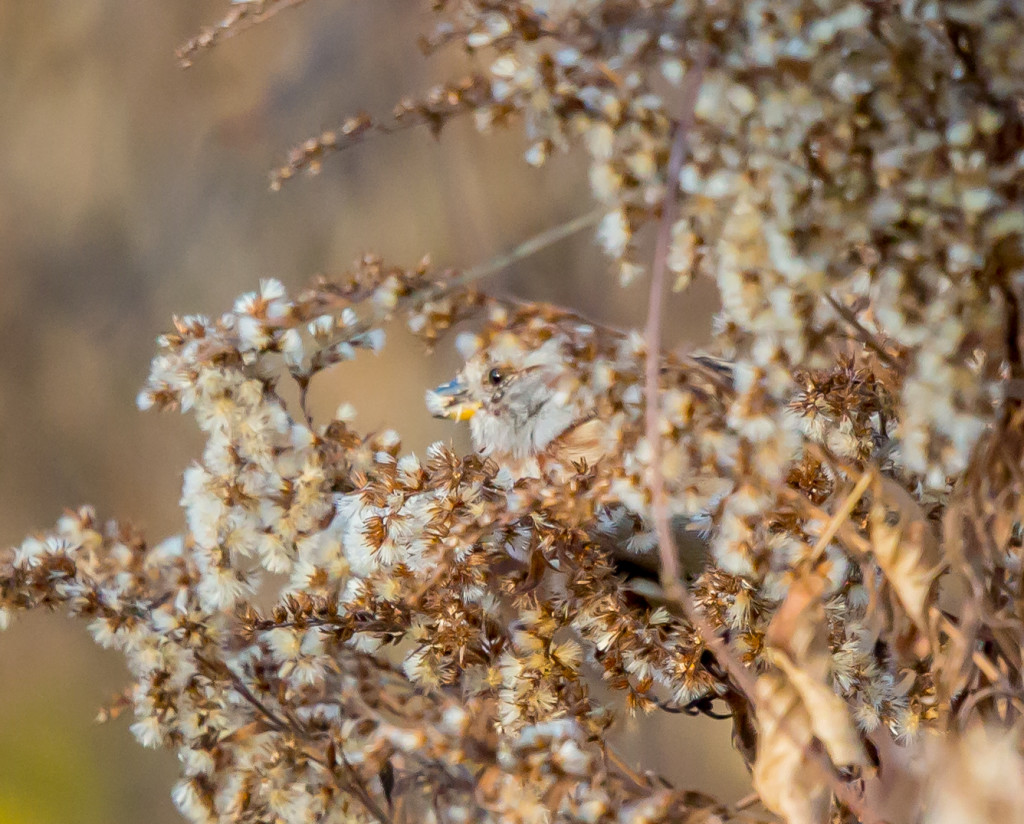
[{"x": 582, "y": 442}]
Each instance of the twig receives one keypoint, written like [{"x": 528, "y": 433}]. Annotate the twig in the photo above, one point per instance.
[
  {"x": 238, "y": 20},
  {"x": 745, "y": 803},
  {"x": 984, "y": 665},
  {"x": 527, "y": 248},
  {"x": 669, "y": 557},
  {"x": 985, "y": 693},
  {"x": 671, "y": 582},
  {"x": 841, "y": 515},
  {"x": 628, "y": 772},
  {"x": 866, "y": 337},
  {"x": 308, "y": 155},
  {"x": 245, "y": 692},
  {"x": 360, "y": 791}
]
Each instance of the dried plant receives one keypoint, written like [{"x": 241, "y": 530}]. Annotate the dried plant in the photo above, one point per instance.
[{"x": 849, "y": 174}]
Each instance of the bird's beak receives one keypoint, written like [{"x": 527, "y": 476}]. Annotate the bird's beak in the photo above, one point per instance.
[{"x": 451, "y": 400}]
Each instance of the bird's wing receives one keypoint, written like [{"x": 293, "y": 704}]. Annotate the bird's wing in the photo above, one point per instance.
[
  {"x": 717, "y": 366},
  {"x": 584, "y": 442}
]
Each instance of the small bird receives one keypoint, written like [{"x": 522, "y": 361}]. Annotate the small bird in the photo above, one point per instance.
[
  {"x": 545, "y": 392},
  {"x": 520, "y": 400},
  {"x": 548, "y": 384}
]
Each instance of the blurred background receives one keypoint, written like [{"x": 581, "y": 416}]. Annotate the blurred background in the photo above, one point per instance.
[{"x": 132, "y": 190}]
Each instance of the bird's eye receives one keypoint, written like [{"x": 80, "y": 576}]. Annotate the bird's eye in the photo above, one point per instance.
[{"x": 495, "y": 376}]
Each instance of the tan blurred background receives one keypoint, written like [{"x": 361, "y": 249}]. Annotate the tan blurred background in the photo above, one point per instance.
[{"x": 131, "y": 190}]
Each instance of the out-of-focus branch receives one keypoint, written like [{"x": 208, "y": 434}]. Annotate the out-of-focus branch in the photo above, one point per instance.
[
  {"x": 242, "y": 16},
  {"x": 670, "y": 579},
  {"x": 865, "y": 336},
  {"x": 461, "y": 279},
  {"x": 674, "y": 587},
  {"x": 527, "y": 248},
  {"x": 439, "y": 106}
]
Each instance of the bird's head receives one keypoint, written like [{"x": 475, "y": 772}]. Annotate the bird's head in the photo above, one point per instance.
[{"x": 517, "y": 397}]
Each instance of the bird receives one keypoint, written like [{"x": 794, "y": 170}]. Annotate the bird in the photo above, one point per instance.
[
  {"x": 548, "y": 384},
  {"x": 547, "y": 393},
  {"x": 519, "y": 400}
]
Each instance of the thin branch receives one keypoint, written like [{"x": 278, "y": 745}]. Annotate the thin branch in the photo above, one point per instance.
[
  {"x": 986, "y": 693},
  {"x": 310, "y": 154},
  {"x": 669, "y": 556},
  {"x": 355, "y": 781},
  {"x": 527, "y": 248},
  {"x": 442, "y": 105},
  {"x": 360, "y": 791},
  {"x": 745, "y": 803},
  {"x": 841, "y": 515},
  {"x": 628, "y": 772},
  {"x": 671, "y": 581},
  {"x": 984, "y": 665},
  {"x": 240, "y": 687},
  {"x": 239, "y": 19},
  {"x": 866, "y": 337}
]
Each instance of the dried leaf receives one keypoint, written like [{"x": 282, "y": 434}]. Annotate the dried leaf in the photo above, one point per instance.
[
  {"x": 797, "y": 706},
  {"x": 905, "y": 547},
  {"x": 829, "y": 715},
  {"x": 788, "y": 782}
]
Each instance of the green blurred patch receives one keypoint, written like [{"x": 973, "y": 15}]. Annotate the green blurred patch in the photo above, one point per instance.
[
  {"x": 45, "y": 764},
  {"x": 57, "y": 765}
]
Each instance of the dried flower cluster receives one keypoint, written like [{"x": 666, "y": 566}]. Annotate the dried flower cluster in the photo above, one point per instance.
[{"x": 852, "y": 184}]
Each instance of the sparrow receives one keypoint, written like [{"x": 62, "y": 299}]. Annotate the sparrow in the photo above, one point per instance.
[
  {"x": 553, "y": 385},
  {"x": 519, "y": 400},
  {"x": 546, "y": 393}
]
